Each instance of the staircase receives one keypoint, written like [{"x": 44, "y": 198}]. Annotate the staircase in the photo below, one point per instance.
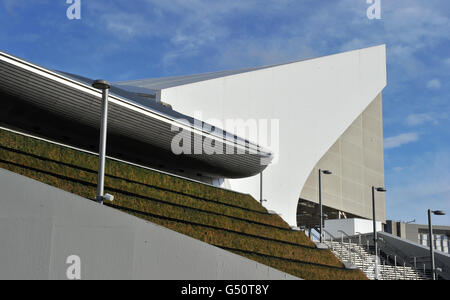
[{"x": 363, "y": 258}]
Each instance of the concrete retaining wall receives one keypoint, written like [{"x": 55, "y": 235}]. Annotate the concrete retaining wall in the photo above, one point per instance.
[{"x": 44, "y": 231}]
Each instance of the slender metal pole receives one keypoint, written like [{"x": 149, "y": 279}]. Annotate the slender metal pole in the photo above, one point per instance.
[
  {"x": 261, "y": 188},
  {"x": 404, "y": 270},
  {"x": 363, "y": 265},
  {"x": 104, "y": 86},
  {"x": 430, "y": 232},
  {"x": 350, "y": 250},
  {"x": 320, "y": 204},
  {"x": 395, "y": 267},
  {"x": 375, "y": 238},
  {"x": 360, "y": 250},
  {"x": 416, "y": 273}
]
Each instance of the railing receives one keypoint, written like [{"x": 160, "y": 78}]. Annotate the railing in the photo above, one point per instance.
[
  {"x": 393, "y": 264},
  {"x": 353, "y": 255},
  {"x": 411, "y": 262},
  {"x": 315, "y": 236},
  {"x": 400, "y": 258},
  {"x": 329, "y": 234}
]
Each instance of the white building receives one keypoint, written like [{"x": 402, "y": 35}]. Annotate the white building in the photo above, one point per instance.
[{"x": 330, "y": 116}]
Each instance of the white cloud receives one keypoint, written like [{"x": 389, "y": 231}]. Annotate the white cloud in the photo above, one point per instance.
[
  {"x": 400, "y": 140},
  {"x": 398, "y": 169},
  {"x": 447, "y": 61},
  {"x": 434, "y": 84},
  {"x": 419, "y": 119},
  {"x": 126, "y": 25},
  {"x": 408, "y": 27},
  {"x": 11, "y": 5},
  {"x": 274, "y": 51}
]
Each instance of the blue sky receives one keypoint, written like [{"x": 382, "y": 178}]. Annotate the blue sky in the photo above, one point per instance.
[{"x": 123, "y": 40}]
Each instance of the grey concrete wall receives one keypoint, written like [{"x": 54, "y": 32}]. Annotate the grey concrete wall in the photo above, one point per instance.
[
  {"x": 357, "y": 163},
  {"x": 412, "y": 249},
  {"x": 411, "y": 231},
  {"x": 40, "y": 227}
]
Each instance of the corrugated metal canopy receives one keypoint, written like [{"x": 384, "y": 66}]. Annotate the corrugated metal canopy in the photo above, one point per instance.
[{"x": 143, "y": 119}]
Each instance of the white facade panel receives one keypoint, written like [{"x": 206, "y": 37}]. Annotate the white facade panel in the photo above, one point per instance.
[{"x": 351, "y": 227}]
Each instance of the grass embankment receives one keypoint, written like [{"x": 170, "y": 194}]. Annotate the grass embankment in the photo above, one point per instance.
[{"x": 232, "y": 221}]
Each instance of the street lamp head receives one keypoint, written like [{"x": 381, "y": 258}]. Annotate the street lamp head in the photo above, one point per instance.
[
  {"x": 327, "y": 172},
  {"x": 101, "y": 84},
  {"x": 439, "y": 213},
  {"x": 381, "y": 190}
]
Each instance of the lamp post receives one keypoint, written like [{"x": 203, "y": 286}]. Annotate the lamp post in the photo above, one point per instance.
[
  {"x": 375, "y": 237},
  {"x": 325, "y": 172},
  {"x": 104, "y": 86},
  {"x": 430, "y": 231},
  {"x": 261, "y": 199}
]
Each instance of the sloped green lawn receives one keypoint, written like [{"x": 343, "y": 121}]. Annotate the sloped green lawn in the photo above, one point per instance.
[{"x": 232, "y": 221}]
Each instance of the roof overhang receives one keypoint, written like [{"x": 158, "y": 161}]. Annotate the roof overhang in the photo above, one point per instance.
[{"x": 129, "y": 115}]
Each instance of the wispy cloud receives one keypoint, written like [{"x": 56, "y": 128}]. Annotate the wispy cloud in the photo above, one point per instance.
[
  {"x": 11, "y": 5},
  {"x": 434, "y": 84},
  {"x": 398, "y": 169},
  {"x": 239, "y": 33},
  {"x": 400, "y": 140},
  {"x": 420, "y": 119}
]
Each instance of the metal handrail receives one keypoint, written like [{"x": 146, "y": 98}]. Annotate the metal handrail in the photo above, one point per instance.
[
  {"x": 365, "y": 265},
  {"x": 401, "y": 263},
  {"x": 380, "y": 239},
  {"x": 342, "y": 231},
  {"x": 385, "y": 246},
  {"x": 405, "y": 259},
  {"x": 349, "y": 246},
  {"x": 315, "y": 236},
  {"x": 333, "y": 237},
  {"x": 400, "y": 254}
]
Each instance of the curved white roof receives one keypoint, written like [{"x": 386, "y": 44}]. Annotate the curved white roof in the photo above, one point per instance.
[{"x": 314, "y": 100}]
